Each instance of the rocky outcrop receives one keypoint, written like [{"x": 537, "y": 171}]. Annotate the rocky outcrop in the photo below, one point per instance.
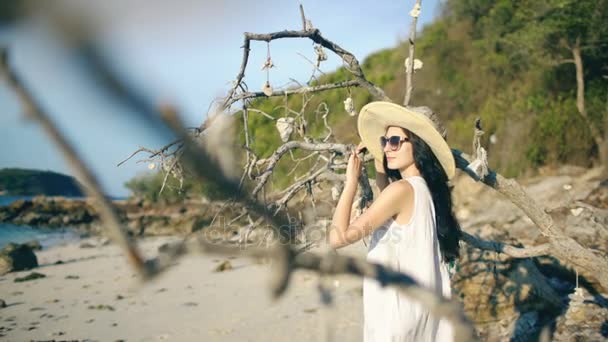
[
  {"x": 140, "y": 217},
  {"x": 586, "y": 319},
  {"x": 49, "y": 212},
  {"x": 511, "y": 299},
  {"x": 17, "y": 257}
]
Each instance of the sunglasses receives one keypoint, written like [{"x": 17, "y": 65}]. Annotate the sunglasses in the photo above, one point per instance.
[{"x": 394, "y": 142}]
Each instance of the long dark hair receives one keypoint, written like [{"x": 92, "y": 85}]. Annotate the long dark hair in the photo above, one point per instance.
[{"x": 436, "y": 179}]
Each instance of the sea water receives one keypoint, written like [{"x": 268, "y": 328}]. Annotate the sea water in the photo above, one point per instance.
[{"x": 46, "y": 236}]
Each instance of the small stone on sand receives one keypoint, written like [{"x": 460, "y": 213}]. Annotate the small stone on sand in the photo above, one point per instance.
[{"x": 225, "y": 266}]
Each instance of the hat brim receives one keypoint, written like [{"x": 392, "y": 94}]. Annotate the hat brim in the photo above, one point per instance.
[{"x": 376, "y": 117}]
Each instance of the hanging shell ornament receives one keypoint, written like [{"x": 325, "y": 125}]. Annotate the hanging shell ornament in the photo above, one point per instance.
[
  {"x": 415, "y": 12},
  {"x": 349, "y": 107},
  {"x": 267, "y": 89},
  {"x": 285, "y": 128},
  {"x": 321, "y": 55},
  {"x": 268, "y": 64},
  {"x": 577, "y": 211},
  {"x": 417, "y": 64}
]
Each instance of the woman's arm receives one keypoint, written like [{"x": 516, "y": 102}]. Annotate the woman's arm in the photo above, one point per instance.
[
  {"x": 341, "y": 218},
  {"x": 389, "y": 203}
]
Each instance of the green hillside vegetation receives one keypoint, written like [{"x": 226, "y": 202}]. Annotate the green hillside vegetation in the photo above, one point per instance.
[
  {"x": 22, "y": 182},
  {"x": 498, "y": 60},
  {"x": 148, "y": 185},
  {"x": 504, "y": 61}
]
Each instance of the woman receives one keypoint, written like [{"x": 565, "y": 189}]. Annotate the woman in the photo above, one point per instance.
[{"x": 413, "y": 228}]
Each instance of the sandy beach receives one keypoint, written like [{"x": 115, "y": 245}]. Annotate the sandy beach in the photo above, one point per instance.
[{"x": 92, "y": 294}]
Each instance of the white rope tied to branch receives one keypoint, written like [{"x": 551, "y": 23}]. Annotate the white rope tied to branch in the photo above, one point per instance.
[
  {"x": 479, "y": 165},
  {"x": 321, "y": 55}
]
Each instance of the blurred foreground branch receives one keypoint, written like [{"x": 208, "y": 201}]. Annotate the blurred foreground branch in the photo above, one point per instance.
[{"x": 92, "y": 188}]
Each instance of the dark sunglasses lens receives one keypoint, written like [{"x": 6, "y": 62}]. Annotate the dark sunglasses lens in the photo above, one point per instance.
[{"x": 394, "y": 141}]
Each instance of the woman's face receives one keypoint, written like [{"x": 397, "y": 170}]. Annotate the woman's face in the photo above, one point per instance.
[{"x": 403, "y": 157}]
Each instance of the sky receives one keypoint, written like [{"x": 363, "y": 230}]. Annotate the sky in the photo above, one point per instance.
[{"x": 181, "y": 52}]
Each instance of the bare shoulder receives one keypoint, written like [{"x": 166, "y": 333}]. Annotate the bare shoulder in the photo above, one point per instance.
[
  {"x": 401, "y": 196},
  {"x": 398, "y": 188}
]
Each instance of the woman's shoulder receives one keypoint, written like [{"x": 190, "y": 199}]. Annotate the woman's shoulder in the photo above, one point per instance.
[
  {"x": 397, "y": 191},
  {"x": 401, "y": 193},
  {"x": 402, "y": 187}
]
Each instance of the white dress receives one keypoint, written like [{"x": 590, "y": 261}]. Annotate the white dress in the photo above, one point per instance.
[{"x": 413, "y": 248}]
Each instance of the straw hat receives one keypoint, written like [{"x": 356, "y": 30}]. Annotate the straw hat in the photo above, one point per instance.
[{"x": 376, "y": 117}]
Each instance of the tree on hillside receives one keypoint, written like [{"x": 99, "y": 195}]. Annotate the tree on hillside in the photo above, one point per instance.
[{"x": 567, "y": 39}]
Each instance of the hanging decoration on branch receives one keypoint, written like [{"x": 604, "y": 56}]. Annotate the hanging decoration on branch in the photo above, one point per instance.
[
  {"x": 415, "y": 12},
  {"x": 268, "y": 64},
  {"x": 321, "y": 55},
  {"x": 285, "y": 128},
  {"x": 267, "y": 89},
  {"x": 417, "y": 64},
  {"x": 479, "y": 165},
  {"x": 349, "y": 107}
]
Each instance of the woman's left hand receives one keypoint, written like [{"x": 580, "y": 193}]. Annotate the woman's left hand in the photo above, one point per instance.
[{"x": 353, "y": 169}]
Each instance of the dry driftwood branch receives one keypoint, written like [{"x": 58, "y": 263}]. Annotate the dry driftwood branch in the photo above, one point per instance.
[
  {"x": 92, "y": 188},
  {"x": 563, "y": 247},
  {"x": 410, "y": 69},
  {"x": 276, "y": 156},
  {"x": 512, "y": 251},
  {"x": 300, "y": 90},
  {"x": 206, "y": 169},
  {"x": 154, "y": 153},
  {"x": 303, "y": 17},
  {"x": 293, "y": 189},
  {"x": 314, "y": 35}
]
